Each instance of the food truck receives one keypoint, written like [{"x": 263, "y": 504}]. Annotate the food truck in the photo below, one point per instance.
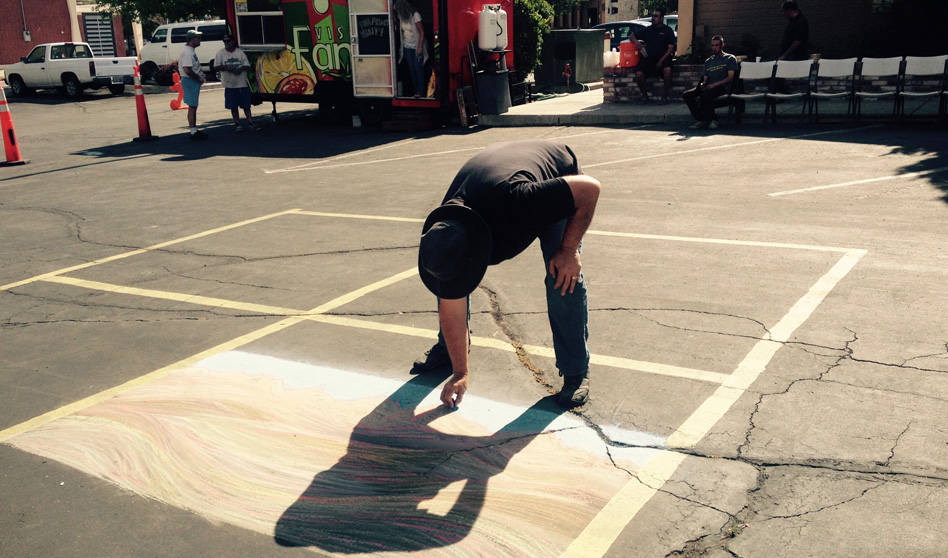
[{"x": 343, "y": 54}]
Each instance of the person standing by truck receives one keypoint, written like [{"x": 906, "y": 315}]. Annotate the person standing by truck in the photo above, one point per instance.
[
  {"x": 233, "y": 65},
  {"x": 414, "y": 51},
  {"x": 192, "y": 77}
]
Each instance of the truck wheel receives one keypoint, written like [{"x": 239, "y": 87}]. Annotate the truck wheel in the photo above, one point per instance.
[
  {"x": 72, "y": 87},
  {"x": 147, "y": 71},
  {"x": 19, "y": 89},
  {"x": 373, "y": 112},
  {"x": 117, "y": 89}
]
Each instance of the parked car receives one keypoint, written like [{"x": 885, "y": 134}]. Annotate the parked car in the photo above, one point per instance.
[
  {"x": 671, "y": 20},
  {"x": 71, "y": 67},
  {"x": 165, "y": 44},
  {"x": 619, "y": 31}
]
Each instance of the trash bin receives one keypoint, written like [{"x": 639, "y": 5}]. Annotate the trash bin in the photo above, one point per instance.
[{"x": 493, "y": 91}]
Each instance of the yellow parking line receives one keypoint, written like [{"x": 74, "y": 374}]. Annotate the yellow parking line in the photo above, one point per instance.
[
  {"x": 357, "y": 216},
  {"x": 143, "y": 250},
  {"x": 178, "y": 297},
  {"x": 71, "y": 408}
]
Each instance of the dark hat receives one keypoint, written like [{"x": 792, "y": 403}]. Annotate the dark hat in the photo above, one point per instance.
[{"x": 454, "y": 251}]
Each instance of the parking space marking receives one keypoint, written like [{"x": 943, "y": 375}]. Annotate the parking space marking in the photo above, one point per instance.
[
  {"x": 144, "y": 250},
  {"x": 729, "y": 146},
  {"x": 235, "y": 343},
  {"x": 599, "y": 535},
  {"x": 857, "y": 182}
]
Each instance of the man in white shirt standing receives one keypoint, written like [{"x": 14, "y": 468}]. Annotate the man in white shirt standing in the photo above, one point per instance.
[
  {"x": 192, "y": 76},
  {"x": 233, "y": 65}
]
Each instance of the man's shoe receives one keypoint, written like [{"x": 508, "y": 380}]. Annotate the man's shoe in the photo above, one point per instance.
[
  {"x": 575, "y": 390},
  {"x": 713, "y": 125},
  {"x": 198, "y": 136},
  {"x": 698, "y": 125},
  {"x": 663, "y": 101},
  {"x": 643, "y": 100},
  {"x": 435, "y": 358}
]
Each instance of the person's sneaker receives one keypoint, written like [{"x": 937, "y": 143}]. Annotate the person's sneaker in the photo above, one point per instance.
[
  {"x": 575, "y": 390},
  {"x": 663, "y": 101},
  {"x": 698, "y": 125},
  {"x": 713, "y": 125},
  {"x": 198, "y": 136},
  {"x": 643, "y": 100},
  {"x": 238, "y": 128},
  {"x": 435, "y": 358},
  {"x": 255, "y": 127}
]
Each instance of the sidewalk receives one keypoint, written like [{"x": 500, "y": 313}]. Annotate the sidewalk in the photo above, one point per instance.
[{"x": 588, "y": 108}]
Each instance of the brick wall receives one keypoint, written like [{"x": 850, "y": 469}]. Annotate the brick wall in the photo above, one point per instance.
[
  {"x": 618, "y": 84},
  {"x": 48, "y": 22}
]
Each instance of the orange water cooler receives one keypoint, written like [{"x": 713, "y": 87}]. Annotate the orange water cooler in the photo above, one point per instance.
[{"x": 628, "y": 54}]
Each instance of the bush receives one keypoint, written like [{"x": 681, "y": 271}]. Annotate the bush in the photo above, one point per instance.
[{"x": 532, "y": 20}]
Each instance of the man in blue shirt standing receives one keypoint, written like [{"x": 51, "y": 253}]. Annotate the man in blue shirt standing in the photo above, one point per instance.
[{"x": 659, "y": 42}]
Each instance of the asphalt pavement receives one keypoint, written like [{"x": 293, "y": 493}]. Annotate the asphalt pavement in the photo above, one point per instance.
[{"x": 206, "y": 347}]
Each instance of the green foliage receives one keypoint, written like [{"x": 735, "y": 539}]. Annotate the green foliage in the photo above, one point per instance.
[
  {"x": 153, "y": 12},
  {"x": 562, "y": 7},
  {"x": 646, "y": 6},
  {"x": 532, "y": 20}
]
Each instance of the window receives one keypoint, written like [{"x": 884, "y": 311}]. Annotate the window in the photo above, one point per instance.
[
  {"x": 260, "y": 24},
  {"x": 160, "y": 36},
  {"x": 214, "y": 32},
  {"x": 38, "y": 54},
  {"x": 178, "y": 34},
  {"x": 57, "y": 52},
  {"x": 78, "y": 51}
]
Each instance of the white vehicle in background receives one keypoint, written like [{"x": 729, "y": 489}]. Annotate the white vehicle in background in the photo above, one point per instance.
[
  {"x": 71, "y": 67},
  {"x": 165, "y": 44}
]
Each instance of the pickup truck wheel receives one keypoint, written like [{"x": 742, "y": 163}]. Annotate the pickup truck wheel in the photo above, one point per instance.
[
  {"x": 117, "y": 89},
  {"x": 72, "y": 87},
  {"x": 19, "y": 89}
]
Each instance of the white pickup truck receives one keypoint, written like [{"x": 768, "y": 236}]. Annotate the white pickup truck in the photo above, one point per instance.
[{"x": 70, "y": 66}]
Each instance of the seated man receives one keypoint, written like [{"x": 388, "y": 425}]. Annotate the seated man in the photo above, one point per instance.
[
  {"x": 658, "y": 42},
  {"x": 719, "y": 70}
]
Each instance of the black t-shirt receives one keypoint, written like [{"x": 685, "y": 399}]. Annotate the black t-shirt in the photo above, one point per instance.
[
  {"x": 657, "y": 39},
  {"x": 516, "y": 187},
  {"x": 798, "y": 29}
]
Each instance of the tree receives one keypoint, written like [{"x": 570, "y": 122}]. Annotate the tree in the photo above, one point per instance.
[
  {"x": 646, "y": 6},
  {"x": 532, "y": 20},
  {"x": 163, "y": 11}
]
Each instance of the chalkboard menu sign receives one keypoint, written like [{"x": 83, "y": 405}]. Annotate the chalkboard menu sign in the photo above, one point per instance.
[{"x": 373, "y": 33}]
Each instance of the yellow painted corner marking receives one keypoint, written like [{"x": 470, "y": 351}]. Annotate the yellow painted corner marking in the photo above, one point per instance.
[
  {"x": 178, "y": 297},
  {"x": 752, "y": 243},
  {"x": 357, "y": 216},
  {"x": 77, "y": 406},
  {"x": 601, "y": 533},
  {"x": 143, "y": 250},
  {"x": 233, "y": 344}
]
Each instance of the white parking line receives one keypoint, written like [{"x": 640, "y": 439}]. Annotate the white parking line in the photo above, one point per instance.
[
  {"x": 864, "y": 181},
  {"x": 729, "y": 146}
]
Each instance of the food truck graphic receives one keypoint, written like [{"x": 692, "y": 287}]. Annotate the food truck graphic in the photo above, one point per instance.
[{"x": 343, "y": 54}]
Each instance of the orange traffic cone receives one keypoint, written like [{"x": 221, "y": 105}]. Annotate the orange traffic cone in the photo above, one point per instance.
[
  {"x": 9, "y": 136},
  {"x": 144, "y": 129}
]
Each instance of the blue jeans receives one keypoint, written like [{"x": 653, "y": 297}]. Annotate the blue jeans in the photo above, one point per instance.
[
  {"x": 416, "y": 71},
  {"x": 568, "y": 314}
]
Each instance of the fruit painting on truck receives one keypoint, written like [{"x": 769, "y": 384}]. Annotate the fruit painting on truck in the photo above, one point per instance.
[{"x": 317, "y": 50}]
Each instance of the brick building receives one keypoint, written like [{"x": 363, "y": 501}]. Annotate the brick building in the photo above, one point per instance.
[{"x": 27, "y": 23}]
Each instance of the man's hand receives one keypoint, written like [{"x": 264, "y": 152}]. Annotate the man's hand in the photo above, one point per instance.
[
  {"x": 565, "y": 266},
  {"x": 453, "y": 391}
]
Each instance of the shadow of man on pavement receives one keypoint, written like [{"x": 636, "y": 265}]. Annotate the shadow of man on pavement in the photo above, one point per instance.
[{"x": 369, "y": 500}]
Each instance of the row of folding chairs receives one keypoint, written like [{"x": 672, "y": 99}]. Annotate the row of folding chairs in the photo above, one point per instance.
[{"x": 850, "y": 80}]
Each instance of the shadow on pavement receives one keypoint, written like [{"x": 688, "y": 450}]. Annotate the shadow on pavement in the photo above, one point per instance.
[{"x": 369, "y": 500}]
